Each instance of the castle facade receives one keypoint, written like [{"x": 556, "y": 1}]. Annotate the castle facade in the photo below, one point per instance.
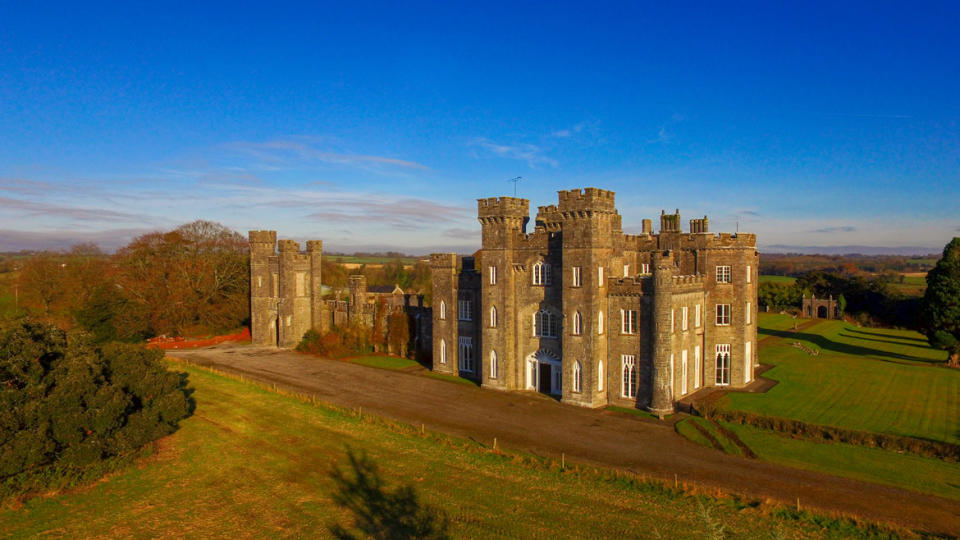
[{"x": 580, "y": 310}]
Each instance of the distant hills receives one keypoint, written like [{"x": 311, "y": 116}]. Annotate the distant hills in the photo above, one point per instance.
[{"x": 852, "y": 250}]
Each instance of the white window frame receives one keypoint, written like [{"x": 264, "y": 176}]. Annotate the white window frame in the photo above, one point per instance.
[
  {"x": 723, "y": 274},
  {"x": 749, "y": 274},
  {"x": 443, "y": 310},
  {"x": 626, "y": 270},
  {"x": 465, "y": 354},
  {"x": 684, "y": 316},
  {"x": 671, "y": 321},
  {"x": 628, "y": 321},
  {"x": 628, "y": 376},
  {"x": 464, "y": 310},
  {"x": 697, "y": 361},
  {"x": 683, "y": 372},
  {"x": 600, "y": 275},
  {"x": 722, "y": 365},
  {"x": 494, "y": 365},
  {"x": 748, "y": 314},
  {"x": 493, "y": 275},
  {"x": 644, "y": 268},
  {"x": 577, "y": 377},
  {"x": 600, "y": 376},
  {"x": 443, "y": 351},
  {"x": 546, "y": 324},
  {"x": 576, "y": 276},
  {"x": 600, "y": 322},
  {"x": 747, "y": 361},
  {"x": 577, "y": 323},
  {"x": 723, "y": 314},
  {"x": 696, "y": 316},
  {"x": 541, "y": 273},
  {"x": 493, "y": 316}
]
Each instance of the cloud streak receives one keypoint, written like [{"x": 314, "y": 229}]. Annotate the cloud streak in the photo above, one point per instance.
[
  {"x": 831, "y": 230},
  {"x": 532, "y": 154},
  {"x": 33, "y": 208},
  {"x": 288, "y": 151}
]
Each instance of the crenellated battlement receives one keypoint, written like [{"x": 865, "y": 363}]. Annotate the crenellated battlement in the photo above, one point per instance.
[
  {"x": 314, "y": 246},
  {"x": 285, "y": 246},
  {"x": 263, "y": 237},
  {"x": 443, "y": 260},
  {"x": 503, "y": 207},
  {"x": 698, "y": 226},
  {"x": 588, "y": 199},
  {"x": 670, "y": 223}
]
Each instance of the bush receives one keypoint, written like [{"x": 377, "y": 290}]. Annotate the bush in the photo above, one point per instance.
[
  {"x": 345, "y": 340},
  {"x": 66, "y": 405}
]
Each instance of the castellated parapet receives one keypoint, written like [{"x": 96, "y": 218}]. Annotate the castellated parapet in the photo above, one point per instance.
[{"x": 580, "y": 310}]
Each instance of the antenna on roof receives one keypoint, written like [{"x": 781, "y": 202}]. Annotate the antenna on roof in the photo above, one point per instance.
[{"x": 516, "y": 180}]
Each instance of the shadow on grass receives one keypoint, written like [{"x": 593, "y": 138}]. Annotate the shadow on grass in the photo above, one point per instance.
[
  {"x": 845, "y": 348},
  {"x": 379, "y": 512},
  {"x": 922, "y": 341}
]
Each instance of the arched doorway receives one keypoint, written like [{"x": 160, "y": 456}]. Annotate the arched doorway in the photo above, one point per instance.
[
  {"x": 822, "y": 312},
  {"x": 543, "y": 373}
]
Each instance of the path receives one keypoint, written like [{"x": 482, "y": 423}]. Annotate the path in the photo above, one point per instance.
[{"x": 538, "y": 424}]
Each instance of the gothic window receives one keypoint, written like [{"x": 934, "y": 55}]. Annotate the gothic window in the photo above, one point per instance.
[
  {"x": 577, "y": 324},
  {"x": 748, "y": 358},
  {"x": 629, "y": 368},
  {"x": 600, "y": 375},
  {"x": 696, "y": 316},
  {"x": 466, "y": 354},
  {"x": 443, "y": 310},
  {"x": 671, "y": 321},
  {"x": 749, "y": 274},
  {"x": 644, "y": 268},
  {"x": 683, "y": 372},
  {"x": 494, "y": 365},
  {"x": 443, "y": 352},
  {"x": 684, "y": 312},
  {"x": 577, "y": 376},
  {"x": 599, "y": 322},
  {"x": 628, "y": 321},
  {"x": 493, "y": 275},
  {"x": 600, "y": 276},
  {"x": 696, "y": 366},
  {"x": 577, "y": 278},
  {"x": 541, "y": 273},
  {"x": 723, "y": 314},
  {"x": 465, "y": 310},
  {"x": 723, "y": 365},
  {"x": 546, "y": 324},
  {"x": 493, "y": 316},
  {"x": 723, "y": 274},
  {"x": 626, "y": 270}
]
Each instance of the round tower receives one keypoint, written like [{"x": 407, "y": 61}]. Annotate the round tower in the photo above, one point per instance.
[{"x": 664, "y": 269}]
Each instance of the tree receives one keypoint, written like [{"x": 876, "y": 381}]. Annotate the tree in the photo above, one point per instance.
[{"x": 941, "y": 304}]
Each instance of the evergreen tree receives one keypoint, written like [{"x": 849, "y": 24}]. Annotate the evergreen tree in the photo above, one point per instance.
[{"x": 941, "y": 303}]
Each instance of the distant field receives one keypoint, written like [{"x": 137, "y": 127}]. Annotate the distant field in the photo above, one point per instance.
[
  {"x": 881, "y": 380},
  {"x": 370, "y": 260},
  {"x": 778, "y": 279},
  {"x": 251, "y": 463}
]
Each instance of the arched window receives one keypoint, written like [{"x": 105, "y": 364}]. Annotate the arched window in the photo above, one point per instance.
[
  {"x": 545, "y": 324},
  {"x": 443, "y": 352},
  {"x": 494, "y": 366},
  {"x": 600, "y": 376},
  {"x": 577, "y": 376},
  {"x": 493, "y": 316},
  {"x": 577, "y": 324},
  {"x": 541, "y": 273},
  {"x": 443, "y": 310},
  {"x": 599, "y": 322},
  {"x": 723, "y": 365}
]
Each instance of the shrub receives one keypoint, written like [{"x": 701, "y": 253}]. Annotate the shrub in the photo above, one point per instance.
[{"x": 66, "y": 405}]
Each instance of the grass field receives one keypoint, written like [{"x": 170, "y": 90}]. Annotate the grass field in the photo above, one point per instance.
[
  {"x": 778, "y": 279},
  {"x": 251, "y": 463},
  {"x": 871, "y": 379},
  {"x": 383, "y": 361}
]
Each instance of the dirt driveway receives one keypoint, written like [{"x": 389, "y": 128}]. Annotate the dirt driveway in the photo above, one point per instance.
[{"x": 539, "y": 424}]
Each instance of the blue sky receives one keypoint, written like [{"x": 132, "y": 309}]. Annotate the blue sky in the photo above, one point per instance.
[{"x": 376, "y": 126}]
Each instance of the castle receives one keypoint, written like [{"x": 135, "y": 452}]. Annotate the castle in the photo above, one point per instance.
[
  {"x": 576, "y": 309},
  {"x": 580, "y": 310}
]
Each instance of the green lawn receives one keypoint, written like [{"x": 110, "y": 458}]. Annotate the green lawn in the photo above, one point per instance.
[
  {"x": 383, "y": 361},
  {"x": 252, "y": 463},
  {"x": 871, "y": 464},
  {"x": 776, "y": 321},
  {"x": 778, "y": 279},
  {"x": 870, "y": 379}
]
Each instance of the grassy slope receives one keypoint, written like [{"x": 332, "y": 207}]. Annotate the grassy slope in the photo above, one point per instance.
[
  {"x": 251, "y": 463},
  {"x": 870, "y": 464},
  {"x": 870, "y": 379},
  {"x": 383, "y": 361}
]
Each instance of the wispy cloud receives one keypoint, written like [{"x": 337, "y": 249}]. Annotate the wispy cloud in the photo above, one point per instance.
[
  {"x": 14, "y": 240},
  {"x": 34, "y": 208},
  {"x": 532, "y": 154},
  {"x": 461, "y": 233},
  {"x": 291, "y": 151},
  {"x": 830, "y": 230},
  {"x": 569, "y": 132},
  {"x": 407, "y": 214},
  {"x": 665, "y": 132}
]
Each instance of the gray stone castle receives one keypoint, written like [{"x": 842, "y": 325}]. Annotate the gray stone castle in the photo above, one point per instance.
[{"x": 580, "y": 310}]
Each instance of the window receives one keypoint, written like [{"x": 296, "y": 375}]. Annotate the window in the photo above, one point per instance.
[
  {"x": 494, "y": 365},
  {"x": 723, "y": 274},
  {"x": 696, "y": 366},
  {"x": 465, "y": 310},
  {"x": 683, "y": 372},
  {"x": 629, "y": 368},
  {"x": 545, "y": 324},
  {"x": 577, "y": 324},
  {"x": 600, "y": 276},
  {"x": 541, "y": 273},
  {"x": 600, "y": 375},
  {"x": 577, "y": 279},
  {"x": 626, "y": 270},
  {"x": 749, "y": 274},
  {"x": 577, "y": 377},
  {"x": 747, "y": 360},
  {"x": 628, "y": 321},
  {"x": 723, "y": 314},
  {"x": 671, "y": 321},
  {"x": 493, "y": 275},
  {"x": 644, "y": 268},
  {"x": 443, "y": 352},
  {"x": 723, "y": 365},
  {"x": 259, "y": 282},
  {"x": 443, "y": 310},
  {"x": 696, "y": 316},
  {"x": 493, "y": 316},
  {"x": 748, "y": 313},
  {"x": 599, "y": 322},
  {"x": 683, "y": 318},
  {"x": 466, "y": 354}
]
